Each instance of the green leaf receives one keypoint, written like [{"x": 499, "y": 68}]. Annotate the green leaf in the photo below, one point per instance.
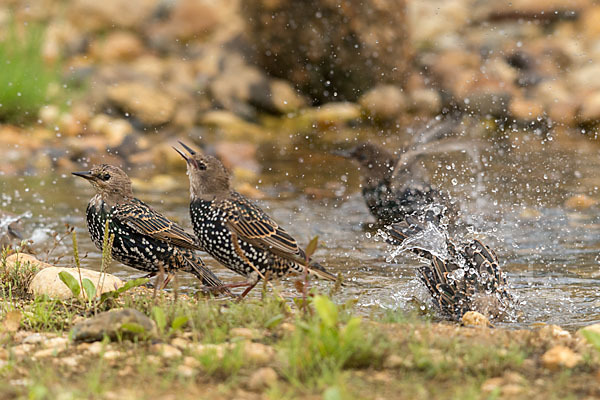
[
  {"x": 312, "y": 247},
  {"x": 71, "y": 282},
  {"x": 351, "y": 330},
  {"x": 592, "y": 337},
  {"x": 274, "y": 321},
  {"x": 179, "y": 322},
  {"x": 89, "y": 288},
  {"x": 326, "y": 310},
  {"x": 132, "y": 284},
  {"x": 132, "y": 327},
  {"x": 159, "y": 317}
]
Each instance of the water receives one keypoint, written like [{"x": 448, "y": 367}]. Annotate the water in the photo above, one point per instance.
[{"x": 514, "y": 200}]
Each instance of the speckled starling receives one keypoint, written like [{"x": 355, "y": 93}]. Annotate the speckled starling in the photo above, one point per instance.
[
  {"x": 236, "y": 232},
  {"x": 394, "y": 188},
  {"x": 464, "y": 277},
  {"x": 143, "y": 238}
]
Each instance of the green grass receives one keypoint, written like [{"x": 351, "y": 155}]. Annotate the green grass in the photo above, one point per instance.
[{"x": 24, "y": 76}]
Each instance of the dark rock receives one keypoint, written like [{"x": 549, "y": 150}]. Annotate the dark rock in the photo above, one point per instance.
[
  {"x": 331, "y": 50},
  {"x": 125, "y": 323}
]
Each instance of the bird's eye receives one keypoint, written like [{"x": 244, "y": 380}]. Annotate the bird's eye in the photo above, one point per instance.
[
  {"x": 105, "y": 176},
  {"x": 202, "y": 166}
]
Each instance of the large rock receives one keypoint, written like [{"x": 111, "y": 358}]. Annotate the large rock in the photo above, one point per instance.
[
  {"x": 47, "y": 282},
  {"x": 126, "y": 323},
  {"x": 93, "y": 15},
  {"x": 150, "y": 105},
  {"x": 331, "y": 50},
  {"x": 24, "y": 259}
]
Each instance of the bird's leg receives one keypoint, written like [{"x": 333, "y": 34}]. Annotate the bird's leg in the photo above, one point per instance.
[
  {"x": 170, "y": 276},
  {"x": 248, "y": 289}
]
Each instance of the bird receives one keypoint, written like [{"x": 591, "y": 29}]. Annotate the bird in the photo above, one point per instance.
[
  {"x": 144, "y": 239},
  {"x": 464, "y": 277},
  {"x": 236, "y": 232},
  {"x": 11, "y": 229},
  {"x": 395, "y": 187}
]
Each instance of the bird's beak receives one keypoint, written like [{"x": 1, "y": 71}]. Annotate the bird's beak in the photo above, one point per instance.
[
  {"x": 190, "y": 153},
  {"x": 84, "y": 174}
]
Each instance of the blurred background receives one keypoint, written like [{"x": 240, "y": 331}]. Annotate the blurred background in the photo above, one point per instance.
[{"x": 272, "y": 86}]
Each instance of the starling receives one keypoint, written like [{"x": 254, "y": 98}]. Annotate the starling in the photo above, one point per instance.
[
  {"x": 235, "y": 231},
  {"x": 143, "y": 238},
  {"x": 466, "y": 278},
  {"x": 393, "y": 188},
  {"x": 11, "y": 229}
]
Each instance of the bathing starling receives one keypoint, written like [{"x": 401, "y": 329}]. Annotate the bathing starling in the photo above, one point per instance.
[
  {"x": 235, "y": 231},
  {"x": 464, "y": 277},
  {"x": 395, "y": 188},
  {"x": 143, "y": 238}
]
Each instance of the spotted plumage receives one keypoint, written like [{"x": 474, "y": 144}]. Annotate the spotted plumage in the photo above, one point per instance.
[
  {"x": 393, "y": 188},
  {"x": 467, "y": 278},
  {"x": 143, "y": 238},
  {"x": 236, "y": 232}
]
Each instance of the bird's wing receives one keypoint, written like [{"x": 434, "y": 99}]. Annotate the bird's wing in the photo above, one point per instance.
[
  {"x": 144, "y": 220},
  {"x": 253, "y": 225}
]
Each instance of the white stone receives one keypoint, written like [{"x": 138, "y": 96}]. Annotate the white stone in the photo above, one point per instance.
[{"x": 47, "y": 282}]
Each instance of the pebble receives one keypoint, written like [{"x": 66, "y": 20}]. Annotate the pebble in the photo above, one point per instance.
[
  {"x": 180, "y": 343},
  {"x": 384, "y": 102},
  {"x": 185, "y": 371},
  {"x": 112, "y": 355},
  {"x": 580, "y": 202},
  {"x": 393, "y": 361},
  {"x": 166, "y": 350},
  {"x": 245, "y": 333},
  {"x": 150, "y": 105},
  {"x": 560, "y": 356},
  {"x": 258, "y": 353},
  {"x": 262, "y": 378},
  {"x": 475, "y": 319}
]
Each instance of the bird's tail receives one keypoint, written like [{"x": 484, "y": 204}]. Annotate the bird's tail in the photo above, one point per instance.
[
  {"x": 316, "y": 269},
  {"x": 196, "y": 266}
]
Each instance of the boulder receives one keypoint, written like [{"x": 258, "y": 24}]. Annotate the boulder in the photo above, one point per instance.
[
  {"x": 47, "y": 282},
  {"x": 328, "y": 49}
]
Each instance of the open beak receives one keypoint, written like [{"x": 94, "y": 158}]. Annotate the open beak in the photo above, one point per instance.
[
  {"x": 190, "y": 153},
  {"x": 84, "y": 174}
]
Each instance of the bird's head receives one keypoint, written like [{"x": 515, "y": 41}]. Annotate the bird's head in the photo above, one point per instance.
[
  {"x": 208, "y": 176},
  {"x": 375, "y": 161},
  {"x": 111, "y": 182}
]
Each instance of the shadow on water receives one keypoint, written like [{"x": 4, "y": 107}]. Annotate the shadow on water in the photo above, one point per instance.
[{"x": 514, "y": 200}]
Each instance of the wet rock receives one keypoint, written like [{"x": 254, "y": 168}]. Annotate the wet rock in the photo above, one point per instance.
[
  {"x": 529, "y": 9},
  {"x": 475, "y": 319},
  {"x": 120, "y": 46},
  {"x": 426, "y": 101},
  {"x": 46, "y": 282},
  {"x": 233, "y": 127},
  {"x": 334, "y": 113},
  {"x": 384, "y": 102},
  {"x": 262, "y": 378},
  {"x": 560, "y": 356},
  {"x": 148, "y": 104},
  {"x": 92, "y": 15},
  {"x": 124, "y": 323},
  {"x": 526, "y": 109},
  {"x": 330, "y": 52},
  {"x": 580, "y": 202}
]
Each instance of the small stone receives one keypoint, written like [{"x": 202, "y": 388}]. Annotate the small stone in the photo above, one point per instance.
[
  {"x": 335, "y": 113},
  {"x": 560, "y": 356},
  {"x": 475, "y": 319},
  {"x": 427, "y": 101},
  {"x": 22, "y": 350},
  {"x": 180, "y": 343},
  {"x": 112, "y": 355},
  {"x": 262, "y": 379},
  {"x": 49, "y": 114},
  {"x": 47, "y": 282},
  {"x": 71, "y": 362},
  {"x": 553, "y": 332},
  {"x": 120, "y": 46},
  {"x": 245, "y": 333},
  {"x": 191, "y": 362},
  {"x": 56, "y": 343},
  {"x": 218, "y": 350},
  {"x": 580, "y": 202},
  {"x": 185, "y": 371},
  {"x": 526, "y": 109},
  {"x": 258, "y": 353},
  {"x": 95, "y": 348},
  {"x": 393, "y": 361},
  {"x": 125, "y": 323},
  {"x": 384, "y": 102},
  {"x": 166, "y": 350},
  {"x": 45, "y": 353}
]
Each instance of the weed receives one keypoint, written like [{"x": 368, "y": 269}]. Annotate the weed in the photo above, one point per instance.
[{"x": 25, "y": 77}]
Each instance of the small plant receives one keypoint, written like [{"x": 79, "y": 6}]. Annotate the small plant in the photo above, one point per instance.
[
  {"x": 25, "y": 77},
  {"x": 592, "y": 337},
  {"x": 15, "y": 278}
]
